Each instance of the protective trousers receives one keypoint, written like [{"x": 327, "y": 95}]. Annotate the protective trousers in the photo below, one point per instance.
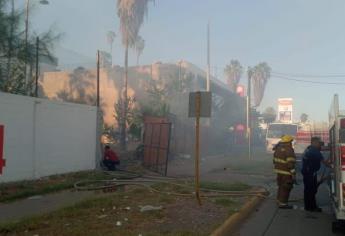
[
  {"x": 310, "y": 190},
  {"x": 285, "y": 184}
]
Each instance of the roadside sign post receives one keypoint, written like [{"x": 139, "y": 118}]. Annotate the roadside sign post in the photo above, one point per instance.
[
  {"x": 199, "y": 106},
  {"x": 249, "y": 119},
  {"x": 2, "y": 159}
]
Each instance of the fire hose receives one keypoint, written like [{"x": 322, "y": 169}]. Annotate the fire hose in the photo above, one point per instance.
[{"x": 124, "y": 178}]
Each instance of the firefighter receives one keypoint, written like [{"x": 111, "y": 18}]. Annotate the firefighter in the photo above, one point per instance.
[
  {"x": 311, "y": 163},
  {"x": 284, "y": 165}
]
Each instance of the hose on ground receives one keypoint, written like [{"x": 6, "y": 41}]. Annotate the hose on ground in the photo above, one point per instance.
[{"x": 123, "y": 178}]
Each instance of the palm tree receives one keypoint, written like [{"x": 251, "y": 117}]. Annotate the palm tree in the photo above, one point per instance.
[
  {"x": 260, "y": 75},
  {"x": 269, "y": 115},
  {"x": 139, "y": 47},
  {"x": 110, "y": 38},
  {"x": 233, "y": 72},
  {"x": 304, "y": 118},
  {"x": 131, "y": 14}
]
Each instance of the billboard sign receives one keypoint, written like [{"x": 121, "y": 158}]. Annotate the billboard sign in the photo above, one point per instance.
[
  {"x": 285, "y": 109},
  {"x": 205, "y": 104}
]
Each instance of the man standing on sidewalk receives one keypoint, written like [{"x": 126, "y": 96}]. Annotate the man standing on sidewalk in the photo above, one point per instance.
[
  {"x": 311, "y": 162},
  {"x": 284, "y": 165}
]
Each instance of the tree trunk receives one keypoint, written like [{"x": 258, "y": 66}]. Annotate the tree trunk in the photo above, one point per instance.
[
  {"x": 10, "y": 45},
  {"x": 111, "y": 54},
  {"x": 124, "y": 105}
]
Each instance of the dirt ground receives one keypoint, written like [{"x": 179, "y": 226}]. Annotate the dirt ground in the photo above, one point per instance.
[
  {"x": 186, "y": 215},
  {"x": 119, "y": 214}
]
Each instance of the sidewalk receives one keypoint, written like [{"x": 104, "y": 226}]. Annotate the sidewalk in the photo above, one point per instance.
[
  {"x": 37, "y": 205},
  {"x": 270, "y": 221}
]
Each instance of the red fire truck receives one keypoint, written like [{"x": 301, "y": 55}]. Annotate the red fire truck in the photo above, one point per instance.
[
  {"x": 337, "y": 155},
  {"x": 306, "y": 131}
]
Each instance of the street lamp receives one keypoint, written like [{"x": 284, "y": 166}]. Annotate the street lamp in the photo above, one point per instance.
[{"x": 43, "y": 2}]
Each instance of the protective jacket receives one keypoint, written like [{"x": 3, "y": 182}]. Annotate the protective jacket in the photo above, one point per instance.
[{"x": 284, "y": 159}]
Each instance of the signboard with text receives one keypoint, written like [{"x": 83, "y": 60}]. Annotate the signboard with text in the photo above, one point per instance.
[
  {"x": 205, "y": 104},
  {"x": 285, "y": 109}
]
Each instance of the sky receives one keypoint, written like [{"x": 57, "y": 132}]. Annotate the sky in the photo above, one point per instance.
[{"x": 293, "y": 37}]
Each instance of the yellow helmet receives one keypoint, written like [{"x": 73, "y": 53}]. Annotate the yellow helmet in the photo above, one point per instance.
[{"x": 286, "y": 139}]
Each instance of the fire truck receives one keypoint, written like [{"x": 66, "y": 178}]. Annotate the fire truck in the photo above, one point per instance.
[
  {"x": 337, "y": 155},
  {"x": 306, "y": 131}
]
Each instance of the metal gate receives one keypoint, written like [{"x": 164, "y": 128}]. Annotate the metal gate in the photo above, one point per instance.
[{"x": 156, "y": 144}]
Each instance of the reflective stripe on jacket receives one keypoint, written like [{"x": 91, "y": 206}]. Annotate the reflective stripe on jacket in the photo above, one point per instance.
[{"x": 284, "y": 159}]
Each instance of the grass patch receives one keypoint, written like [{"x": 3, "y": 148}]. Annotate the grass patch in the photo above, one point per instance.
[
  {"x": 188, "y": 187},
  {"x": 169, "y": 233},
  {"x": 23, "y": 189},
  {"x": 182, "y": 187},
  {"x": 223, "y": 186},
  {"x": 86, "y": 217},
  {"x": 226, "y": 202},
  {"x": 81, "y": 215},
  {"x": 24, "y": 224},
  {"x": 230, "y": 204}
]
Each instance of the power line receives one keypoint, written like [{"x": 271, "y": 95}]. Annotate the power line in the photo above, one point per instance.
[
  {"x": 301, "y": 75},
  {"x": 308, "y": 75},
  {"x": 306, "y": 81}
]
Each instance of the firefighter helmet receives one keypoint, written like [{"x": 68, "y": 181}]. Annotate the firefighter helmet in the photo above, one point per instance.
[{"x": 286, "y": 139}]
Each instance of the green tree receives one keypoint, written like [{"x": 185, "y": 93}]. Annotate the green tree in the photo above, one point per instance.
[
  {"x": 81, "y": 88},
  {"x": 259, "y": 77},
  {"x": 131, "y": 14},
  {"x": 233, "y": 73},
  {"x": 13, "y": 53},
  {"x": 269, "y": 115},
  {"x": 304, "y": 118}
]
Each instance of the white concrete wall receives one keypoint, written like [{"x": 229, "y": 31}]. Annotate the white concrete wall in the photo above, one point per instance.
[{"x": 44, "y": 137}]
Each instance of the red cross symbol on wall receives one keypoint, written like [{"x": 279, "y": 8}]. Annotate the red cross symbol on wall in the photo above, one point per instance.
[{"x": 2, "y": 159}]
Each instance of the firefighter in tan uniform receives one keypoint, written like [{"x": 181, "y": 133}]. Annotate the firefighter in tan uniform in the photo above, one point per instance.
[{"x": 284, "y": 165}]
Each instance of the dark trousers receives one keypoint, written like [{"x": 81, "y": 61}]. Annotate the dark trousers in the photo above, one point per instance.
[
  {"x": 285, "y": 184},
  {"x": 111, "y": 165},
  {"x": 310, "y": 190}
]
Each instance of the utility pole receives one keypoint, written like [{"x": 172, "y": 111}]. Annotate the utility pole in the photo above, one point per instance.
[
  {"x": 208, "y": 59},
  {"x": 249, "y": 132},
  {"x": 208, "y": 73},
  {"x": 26, "y": 56},
  {"x": 26, "y": 44},
  {"x": 98, "y": 99},
  {"x": 179, "y": 71},
  {"x": 99, "y": 120},
  {"x": 37, "y": 66},
  {"x": 197, "y": 146}
]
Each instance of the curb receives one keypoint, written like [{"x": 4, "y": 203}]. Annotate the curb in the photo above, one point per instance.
[{"x": 236, "y": 219}]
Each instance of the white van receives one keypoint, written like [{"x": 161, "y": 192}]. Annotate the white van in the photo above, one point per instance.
[{"x": 275, "y": 131}]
